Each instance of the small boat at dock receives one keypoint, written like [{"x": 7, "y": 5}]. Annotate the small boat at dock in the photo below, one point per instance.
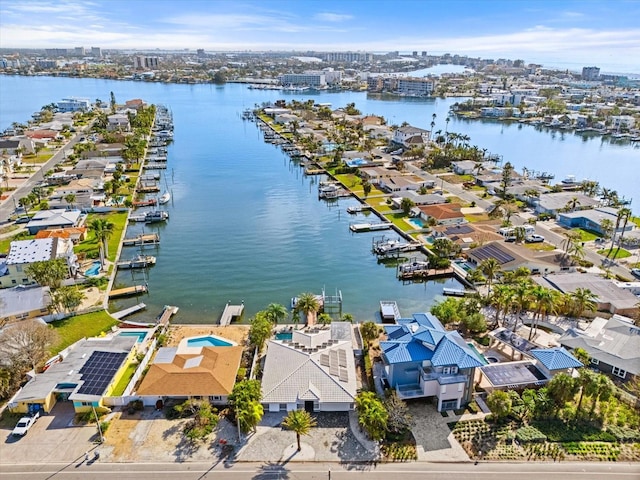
[
  {"x": 164, "y": 198},
  {"x": 139, "y": 261},
  {"x": 368, "y": 227}
]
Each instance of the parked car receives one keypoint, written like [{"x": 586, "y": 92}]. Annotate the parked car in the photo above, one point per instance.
[
  {"x": 635, "y": 272},
  {"x": 510, "y": 239},
  {"x": 24, "y": 424},
  {"x": 534, "y": 238}
]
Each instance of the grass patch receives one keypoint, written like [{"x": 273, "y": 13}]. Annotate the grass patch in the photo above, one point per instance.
[
  {"x": 454, "y": 178},
  {"x": 73, "y": 329},
  {"x": 124, "y": 380},
  {"x": 540, "y": 247},
  {"x": 476, "y": 217},
  {"x": 90, "y": 246},
  {"x": 398, "y": 219},
  {"x": 615, "y": 254},
  {"x": 586, "y": 235},
  {"x": 351, "y": 181}
]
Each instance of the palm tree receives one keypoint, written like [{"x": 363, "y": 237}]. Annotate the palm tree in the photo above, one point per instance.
[
  {"x": 522, "y": 299},
  {"x": 490, "y": 268},
  {"x": 545, "y": 301},
  {"x": 70, "y": 198},
  {"x": 621, "y": 214},
  {"x": 625, "y": 213},
  {"x": 276, "y": 312},
  {"x": 600, "y": 388},
  {"x": 502, "y": 300},
  {"x": 102, "y": 229},
  {"x": 347, "y": 317},
  {"x": 324, "y": 319},
  {"x": 583, "y": 299},
  {"x": 300, "y": 422},
  {"x": 308, "y": 304}
]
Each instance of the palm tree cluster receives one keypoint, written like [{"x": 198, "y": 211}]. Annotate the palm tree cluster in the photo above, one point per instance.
[{"x": 517, "y": 293}]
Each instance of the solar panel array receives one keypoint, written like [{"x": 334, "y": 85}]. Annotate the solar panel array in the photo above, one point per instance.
[
  {"x": 493, "y": 251},
  {"x": 98, "y": 371},
  {"x": 458, "y": 229}
]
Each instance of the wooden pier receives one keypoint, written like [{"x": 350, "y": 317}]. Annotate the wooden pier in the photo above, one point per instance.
[
  {"x": 230, "y": 312},
  {"x": 358, "y": 208},
  {"x": 145, "y": 203},
  {"x": 148, "y": 189},
  {"x": 368, "y": 227},
  {"x": 165, "y": 316},
  {"x": 129, "y": 311},
  {"x": 128, "y": 291},
  {"x": 148, "y": 239},
  {"x": 426, "y": 274}
]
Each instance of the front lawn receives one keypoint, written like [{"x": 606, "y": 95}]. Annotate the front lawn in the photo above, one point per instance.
[
  {"x": 587, "y": 235},
  {"x": 540, "y": 247},
  {"x": 90, "y": 246},
  {"x": 615, "y": 254},
  {"x": 73, "y": 329}
]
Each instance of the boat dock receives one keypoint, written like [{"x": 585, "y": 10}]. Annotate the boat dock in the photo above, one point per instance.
[
  {"x": 456, "y": 292},
  {"x": 389, "y": 311},
  {"x": 358, "y": 209},
  {"x": 426, "y": 273},
  {"x": 166, "y": 314},
  {"x": 129, "y": 311},
  {"x": 230, "y": 312},
  {"x": 155, "y": 166},
  {"x": 127, "y": 291},
  {"x": 149, "y": 189},
  {"x": 367, "y": 227},
  {"x": 148, "y": 239},
  {"x": 145, "y": 203}
]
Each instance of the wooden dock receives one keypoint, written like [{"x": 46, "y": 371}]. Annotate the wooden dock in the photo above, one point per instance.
[
  {"x": 145, "y": 203},
  {"x": 148, "y": 239},
  {"x": 128, "y": 291},
  {"x": 165, "y": 316},
  {"x": 368, "y": 227},
  {"x": 358, "y": 209},
  {"x": 129, "y": 311},
  {"x": 149, "y": 189},
  {"x": 426, "y": 273},
  {"x": 230, "y": 312}
]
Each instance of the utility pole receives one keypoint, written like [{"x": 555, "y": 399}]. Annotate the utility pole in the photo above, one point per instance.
[{"x": 98, "y": 423}]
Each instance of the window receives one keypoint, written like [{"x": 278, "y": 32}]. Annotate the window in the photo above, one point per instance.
[
  {"x": 450, "y": 370},
  {"x": 618, "y": 372},
  {"x": 283, "y": 407},
  {"x": 595, "y": 361}
]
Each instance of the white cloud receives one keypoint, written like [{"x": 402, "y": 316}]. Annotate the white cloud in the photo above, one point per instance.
[{"x": 332, "y": 17}]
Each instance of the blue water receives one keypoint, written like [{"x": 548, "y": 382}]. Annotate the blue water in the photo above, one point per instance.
[
  {"x": 284, "y": 336},
  {"x": 140, "y": 335},
  {"x": 246, "y": 224},
  {"x": 356, "y": 162},
  {"x": 208, "y": 342},
  {"x": 93, "y": 270},
  {"x": 416, "y": 222}
]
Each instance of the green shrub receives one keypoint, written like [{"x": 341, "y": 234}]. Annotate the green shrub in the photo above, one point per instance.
[
  {"x": 624, "y": 434},
  {"x": 530, "y": 434},
  {"x": 241, "y": 375}
]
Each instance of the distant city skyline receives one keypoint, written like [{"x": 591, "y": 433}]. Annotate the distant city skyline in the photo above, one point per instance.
[{"x": 558, "y": 33}]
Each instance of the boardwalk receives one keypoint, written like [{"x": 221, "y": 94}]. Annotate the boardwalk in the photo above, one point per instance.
[
  {"x": 124, "y": 292},
  {"x": 230, "y": 312}
]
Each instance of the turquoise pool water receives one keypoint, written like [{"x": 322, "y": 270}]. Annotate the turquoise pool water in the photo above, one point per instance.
[
  {"x": 466, "y": 266},
  {"x": 416, "y": 222},
  {"x": 356, "y": 162},
  {"x": 480, "y": 356},
  {"x": 140, "y": 335},
  {"x": 284, "y": 336},
  {"x": 208, "y": 342},
  {"x": 93, "y": 270}
]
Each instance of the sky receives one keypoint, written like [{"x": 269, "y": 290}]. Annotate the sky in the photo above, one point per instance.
[{"x": 559, "y": 33}]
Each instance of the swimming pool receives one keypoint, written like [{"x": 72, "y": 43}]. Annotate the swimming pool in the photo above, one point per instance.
[
  {"x": 141, "y": 335},
  {"x": 284, "y": 336},
  {"x": 465, "y": 265},
  {"x": 416, "y": 222},
  {"x": 93, "y": 270},
  {"x": 481, "y": 356},
  {"x": 209, "y": 341},
  {"x": 356, "y": 162}
]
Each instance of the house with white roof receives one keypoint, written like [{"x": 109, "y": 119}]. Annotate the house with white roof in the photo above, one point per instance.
[
  {"x": 409, "y": 135},
  {"x": 54, "y": 218},
  {"x": 23, "y": 302},
  {"x": 315, "y": 370},
  {"x": 25, "y": 252}
]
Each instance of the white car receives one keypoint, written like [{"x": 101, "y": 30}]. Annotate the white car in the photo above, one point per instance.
[
  {"x": 534, "y": 238},
  {"x": 24, "y": 424}
]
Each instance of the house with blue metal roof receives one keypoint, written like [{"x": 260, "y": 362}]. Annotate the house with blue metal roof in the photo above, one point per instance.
[
  {"x": 422, "y": 359},
  {"x": 555, "y": 360}
]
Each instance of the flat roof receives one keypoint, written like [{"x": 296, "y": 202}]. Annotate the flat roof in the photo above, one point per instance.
[{"x": 513, "y": 374}]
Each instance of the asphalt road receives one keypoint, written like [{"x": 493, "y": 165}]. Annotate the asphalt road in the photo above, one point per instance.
[
  {"x": 8, "y": 207},
  {"x": 320, "y": 471}
]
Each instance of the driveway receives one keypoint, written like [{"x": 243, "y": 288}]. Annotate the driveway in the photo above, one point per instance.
[{"x": 53, "y": 438}]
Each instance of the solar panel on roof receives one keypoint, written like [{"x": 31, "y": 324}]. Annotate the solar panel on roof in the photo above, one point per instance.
[
  {"x": 98, "y": 371},
  {"x": 493, "y": 251},
  {"x": 459, "y": 229}
]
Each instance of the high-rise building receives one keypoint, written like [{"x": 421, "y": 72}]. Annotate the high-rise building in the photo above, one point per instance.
[
  {"x": 142, "y": 62},
  {"x": 56, "y": 52},
  {"x": 590, "y": 73},
  {"x": 96, "y": 52},
  {"x": 78, "y": 51}
]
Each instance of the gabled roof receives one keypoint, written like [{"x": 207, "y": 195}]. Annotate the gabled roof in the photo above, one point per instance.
[
  {"x": 453, "y": 351},
  {"x": 555, "y": 358},
  {"x": 55, "y": 217},
  {"x": 401, "y": 352},
  {"x": 292, "y": 375},
  {"x": 211, "y": 372}
]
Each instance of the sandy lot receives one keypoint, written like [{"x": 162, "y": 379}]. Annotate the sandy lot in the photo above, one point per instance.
[{"x": 237, "y": 333}]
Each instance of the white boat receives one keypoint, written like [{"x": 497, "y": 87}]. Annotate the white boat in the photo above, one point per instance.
[
  {"x": 164, "y": 198},
  {"x": 139, "y": 261}
]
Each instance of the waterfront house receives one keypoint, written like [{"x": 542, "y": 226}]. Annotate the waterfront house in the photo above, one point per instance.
[
  {"x": 421, "y": 359},
  {"x": 443, "y": 214},
  {"x": 23, "y": 302},
  {"x": 54, "y": 218},
  {"x": 25, "y": 252},
  {"x": 407, "y": 136},
  {"x": 73, "y": 104},
  {"x": 464, "y": 167},
  {"x": 511, "y": 256},
  {"x": 75, "y": 234},
  {"x": 613, "y": 346},
  {"x": 402, "y": 183},
  {"x": 466, "y": 234},
  {"x": 85, "y": 373},
  {"x": 315, "y": 370},
  {"x": 417, "y": 199},
  {"x": 118, "y": 122},
  {"x": 183, "y": 372},
  {"x": 553, "y": 203},
  {"x": 592, "y": 219},
  {"x": 376, "y": 174}
]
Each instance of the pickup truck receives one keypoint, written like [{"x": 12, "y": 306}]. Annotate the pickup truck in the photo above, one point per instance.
[{"x": 24, "y": 424}]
